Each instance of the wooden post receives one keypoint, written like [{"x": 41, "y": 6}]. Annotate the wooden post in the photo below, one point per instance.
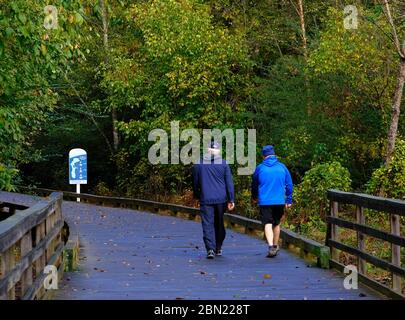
[
  {"x": 2, "y": 272},
  {"x": 48, "y": 226},
  {"x": 334, "y": 234},
  {"x": 361, "y": 264},
  {"x": 395, "y": 252},
  {"x": 9, "y": 262},
  {"x": 50, "y": 249},
  {"x": 59, "y": 212},
  {"x": 40, "y": 262},
  {"x": 26, "y": 247}
]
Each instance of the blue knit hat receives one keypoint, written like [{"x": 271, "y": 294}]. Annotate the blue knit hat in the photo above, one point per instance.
[{"x": 268, "y": 151}]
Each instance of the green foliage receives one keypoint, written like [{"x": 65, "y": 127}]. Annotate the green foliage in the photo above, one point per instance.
[
  {"x": 244, "y": 203},
  {"x": 31, "y": 58},
  {"x": 357, "y": 64},
  {"x": 102, "y": 189},
  {"x": 361, "y": 54},
  {"x": 310, "y": 195},
  {"x": 389, "y": 181},
  {"x": 207, "y": 63},
  {"x": 288, "y": 112},
  {"x": 6, "y": 178},
  {"x": 184, "y": 68},
  {"x": 10, "y": 136},
  {"x": 68, "y": 128},
  {"x": 168, "y": 179}
]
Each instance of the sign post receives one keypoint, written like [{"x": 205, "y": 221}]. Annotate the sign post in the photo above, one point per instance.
[{"x": 77, "y": 168}]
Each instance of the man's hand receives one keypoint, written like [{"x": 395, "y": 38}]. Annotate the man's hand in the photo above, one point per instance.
[
  {"x": 288, "y": 205},
  {"x": 231, "y": 206}
]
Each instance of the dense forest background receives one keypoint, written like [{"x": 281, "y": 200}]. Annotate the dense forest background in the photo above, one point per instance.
[{"x": 327, "y": 97}]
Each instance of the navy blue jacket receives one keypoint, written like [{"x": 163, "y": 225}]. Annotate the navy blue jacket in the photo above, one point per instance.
[
  {"x": 272, "y": 183},
  {"x": 212, "y": 181}
]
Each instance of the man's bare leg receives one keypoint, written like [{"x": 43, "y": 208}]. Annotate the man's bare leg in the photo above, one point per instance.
[
  {"x": 276, "y": 234},
  {"x": 268, "y": 232}
]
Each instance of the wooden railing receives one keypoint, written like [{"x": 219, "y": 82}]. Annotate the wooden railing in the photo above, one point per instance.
[
  {"x": 394, "y": 210},
  {"x": 307, "y": 248},
  {"x": 30, "y": 239}
]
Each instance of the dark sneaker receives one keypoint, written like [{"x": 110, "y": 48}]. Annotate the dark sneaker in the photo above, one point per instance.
[
  {"x": 273, "y": 250},
  {"x": 210, "y": 254},
  {"x": 218, "y": 252}
]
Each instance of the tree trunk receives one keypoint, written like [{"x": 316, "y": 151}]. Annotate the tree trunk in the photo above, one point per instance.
[
  {"x": 301, "y": 14},
  {"x": 396, "y": 109},
  {"x": 303, "y": 30},
  {"x": 105, "y": 21},
  {"x": 114, "y": 117}
]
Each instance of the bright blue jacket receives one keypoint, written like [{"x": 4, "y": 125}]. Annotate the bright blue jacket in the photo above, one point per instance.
[
  {"x": 212, "y": 181},
  {"x": 272, "y": 183}
]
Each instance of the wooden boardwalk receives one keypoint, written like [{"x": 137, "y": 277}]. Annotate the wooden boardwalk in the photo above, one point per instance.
[{"x": 128, "y": 254}]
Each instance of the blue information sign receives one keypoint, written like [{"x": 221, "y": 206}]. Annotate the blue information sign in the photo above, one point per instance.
[{"x": 77, "y": 166}]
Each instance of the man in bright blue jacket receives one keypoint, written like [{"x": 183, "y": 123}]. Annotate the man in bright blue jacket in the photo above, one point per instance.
[
  {"x": 272, "y": 188},
  {"x": 213, "y": 186}
]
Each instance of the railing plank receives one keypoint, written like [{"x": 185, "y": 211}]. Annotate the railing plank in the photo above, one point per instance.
[
  {"x": 13, "y": 228},
  {"x": 368, "y": 257},
  {"x": 366, "y": 230},
  {"x": 393, "y": 206},
  {"x": 385, "y": 290}
]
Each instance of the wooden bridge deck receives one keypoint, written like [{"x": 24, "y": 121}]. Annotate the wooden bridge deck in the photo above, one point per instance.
[{"x": 128, "y": 254}]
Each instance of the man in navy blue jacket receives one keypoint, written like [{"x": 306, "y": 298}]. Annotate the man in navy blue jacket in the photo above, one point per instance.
[
  {"x": 213, "y": 186},
  {"x": 272, "y": 187}
]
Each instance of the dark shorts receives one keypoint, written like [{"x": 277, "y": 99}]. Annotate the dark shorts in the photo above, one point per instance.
[{"x": 272, "y": 214}]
